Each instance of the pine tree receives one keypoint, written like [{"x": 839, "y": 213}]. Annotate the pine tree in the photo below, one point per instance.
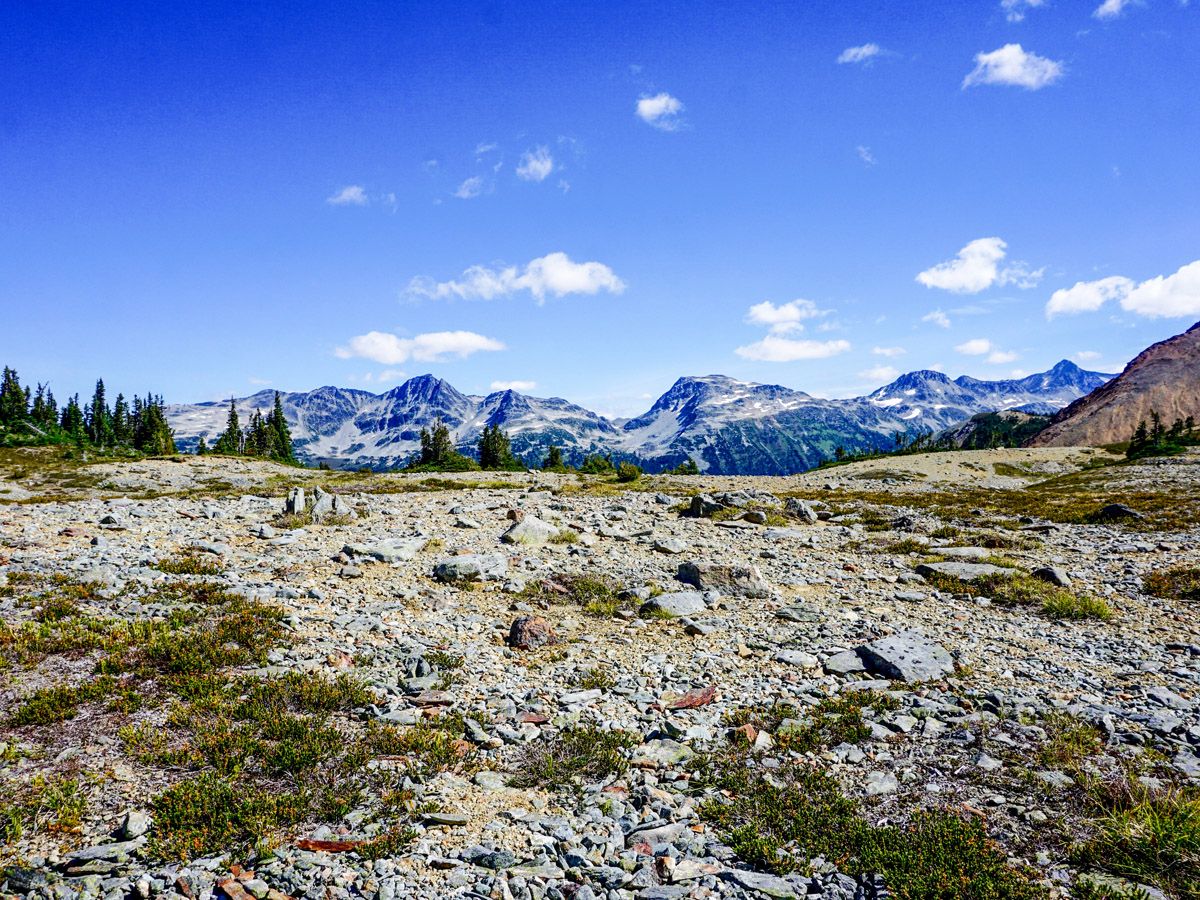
[
  {"x": 99, "y": 418},
  {"x": 44, "y": 411},
  {"x": 73, "y": 422},
  {"x": 201, "y": 447},
  {"x": 495, "y": 449},
  {"x": 14, "y": 399},
  {"x": 554, "y": 459},
  {"x": 280, "y": 435},
  {"x": 152, "y": 435},
  {"x": 229, "y": 442},
  {"x": 122, "y": 427}
]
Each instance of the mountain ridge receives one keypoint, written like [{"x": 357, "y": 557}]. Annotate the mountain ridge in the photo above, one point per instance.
[{"x": 729, "y": 426}]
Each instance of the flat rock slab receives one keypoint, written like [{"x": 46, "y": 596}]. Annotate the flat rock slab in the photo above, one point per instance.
[
  {"x": 387, "y": 550},
  {"x": 680, "y": 603},
  {"x": 737, "y": 581},
  {"x": 907, "y": 656},
  {"x": 478, "y": 567},
  {"x": 968, "y": 553},
  {"x": 963, "y": 571}
]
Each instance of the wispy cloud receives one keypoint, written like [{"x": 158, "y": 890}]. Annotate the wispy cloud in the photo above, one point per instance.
[
  {"x": 513, "y": 385},
  {"x": 1013, "y": 65},
  {"x": 554, "y": 274},
  {"x": 974, "y": 347},
  {"x": 859, "y": 54},
  {"x": 1014, "y": 10},
  {"x": 780, "y": 349},
  {"x": 470, "y": 189},
  {"x": 390, "y": 349},
  {"x": 938, "y": 318},
  {"x": 536, "y": 164},
  {"x": 1110, "y": 9},
  {"x": 661, "y": 110},
  {"x": 865, "y": 154},
  {"x": 879, "y": 374},
  {"x": 350, "y": 195},
  {"x": 976, "y": 268},
  {"x": 889, "y": 352}
]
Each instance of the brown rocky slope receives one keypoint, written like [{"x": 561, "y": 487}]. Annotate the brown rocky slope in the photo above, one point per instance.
[{"x": 1164, "y": 377}]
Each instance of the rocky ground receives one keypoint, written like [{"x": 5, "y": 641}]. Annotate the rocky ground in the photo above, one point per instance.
[{"x": 220, "y": 681}]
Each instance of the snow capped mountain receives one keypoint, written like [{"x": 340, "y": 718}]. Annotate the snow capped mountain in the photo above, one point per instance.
[{"x": 727, "y": 426}]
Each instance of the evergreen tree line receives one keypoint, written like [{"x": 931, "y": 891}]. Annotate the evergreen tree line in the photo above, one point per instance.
[
  {"x": 33, "y": 417},
  {"x": 267, "y": 437},
  {"x": 1156, "y": 439}
]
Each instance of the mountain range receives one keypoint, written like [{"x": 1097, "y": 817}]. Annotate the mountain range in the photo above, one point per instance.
[{"x": 727, "y": 426}]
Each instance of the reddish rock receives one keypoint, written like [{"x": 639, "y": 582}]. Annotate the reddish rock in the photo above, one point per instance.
[{"x": 531, "y": 632}]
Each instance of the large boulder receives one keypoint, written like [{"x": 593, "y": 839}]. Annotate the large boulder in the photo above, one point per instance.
[
  {"x": 327, "y": 505},
  {"x": 963, "y": 571},
  {"x": 907, "y": 656},
  {"x": 800, "y": 509},
  {"x": 530, "y": 632},
  {"x": 387, "y": 550},
  {"x": 295, "y": 503},
  {"x": 529, "y": 530},
  {"x": 681, "y": 603},
  {"x": 477, "y": 567},
  {"x": 738, "y": 581}
]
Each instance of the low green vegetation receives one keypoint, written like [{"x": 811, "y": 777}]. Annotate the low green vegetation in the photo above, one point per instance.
[
  {"x": 43, "y": 805},
  {"x": 595, "y": 596},
  {"x": 189, "y": 564},
  {"x": 1026, "y": 592},
  {"x": 1146, "y": 836},
  {"x": 583, "y": 753},
  {"x": 1178, "y": 583},
  {"x": 834, "y": 720},
  {"x": 565, "y": 536},
  {"x": 781, "y": 820},
  {"x": 1069, "y": 741}
]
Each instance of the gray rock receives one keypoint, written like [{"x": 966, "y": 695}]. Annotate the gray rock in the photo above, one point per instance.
[
  {"x": 661, "y": 753},
  {"x": 797, "y": 658},
  {"x": 908, "y": 656},
  {"x": 881, "y": 783},
  {"x": 294, "y": 505},
  {"x": 737, "y": 581},
  {"x": 680, "y": 603},
  {"x": 530, "y": 530},
  {"x": 963, "y": 571},
  {"x": 801, "y": 510},
  {"x": 388, "y": 550},
  {"x": 1053, "y": 575},
  {"x": 844, "y": 663},
  {"x": 478, "y": 567},
  {"x": 770, "y": 885}
]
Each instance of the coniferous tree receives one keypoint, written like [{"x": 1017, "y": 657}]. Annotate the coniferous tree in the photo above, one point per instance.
[
  {"x": 554, "y": 459},
  {"x": 122, "y": 426},
  {"x": 279, "y": 433},
  {"x": 73, "y": 422},
  {"x": 151, "y": 433},
  {"x": 99, "y": 418},
  {"x": 201, "y": 447},
  {"x": 14, "y": 399},
  {"x": 44, "y": 411},
  {"x": 495, "y": 449},
  {"x": 229, "y": 441}
]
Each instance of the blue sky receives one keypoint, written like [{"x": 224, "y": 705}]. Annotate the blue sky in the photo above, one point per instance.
[{"x": 592, "y": 198}]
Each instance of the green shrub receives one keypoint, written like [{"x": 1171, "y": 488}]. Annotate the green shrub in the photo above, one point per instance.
[
  {"x": 1178, "y": 583},
  {"x": 627, "y": 472},
  {"x": 584, "y": 752},
  {"x": 189, "y": 564}
]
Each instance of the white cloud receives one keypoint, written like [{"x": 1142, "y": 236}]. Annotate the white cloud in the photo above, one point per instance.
[
  {"x": 858, "y": 54},
  {"x": 975, "y": 347},
  {"x": 1000, "y": 357},
  {"x": 879, "y": 373},
  {"x": 1087, "y": 296},
  {"x": 662, "y": 111},
  {"x": 1164, "y": 296},
  {"x": 785, "y": 317},
  {"x": 1110, "y": 9},
  {"x": 259, "y": 382},
  {"x": 937, "y": 317},
  {"x": 977, "y": 268},
  {"x": 513, "y": 385},
  {"x": 390, "y": 375},
  {"x": 1014, "y": 10},
  {"x": 350, "y": 195},
  {"x": 484, "y": 148},
  {"x": 781, "y": 349},
  {"x": 865, "y": 154},
  {"x": 536, "y": 164},
  {"x": 554, "y": 273},
  {"x": 470, "y": 188},
  {"x": 1087, "y": 355},
  {"x": 1167, "y": 297},
  {"x": 390, "y": 349},
  {"x": 1012, "y": 65},
  {"x": 889, "y": 352}
]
